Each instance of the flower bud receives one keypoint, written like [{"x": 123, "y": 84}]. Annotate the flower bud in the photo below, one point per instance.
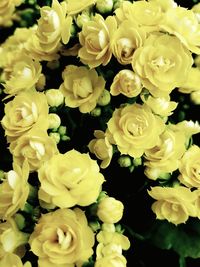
[
  {"x": 110, "y": 210},
  {"x": 137, "y": 162},
  {"x": 96, "y": 112},
  {"x": 62, "y": 130},
  {"x": 54, "y": 97},
  {"x": 54, "y": 121},
  {"x": 195, "y": 97},
  {"x": 104, "y": 98},
  {"x": 55, "y": 137},
  {"x": 104, "y": 6},
  {"x": 20, "y": 220},
  {"x": 124, "y": 161},
  {"x": 83, "y": 18},
  {"x": 65, "y": 138},
  {"x": 109, "y": 227},
  {"x": 117, "y": 4}
]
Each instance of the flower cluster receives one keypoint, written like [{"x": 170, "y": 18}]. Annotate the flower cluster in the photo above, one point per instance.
[{"x": 88, "y": 85}]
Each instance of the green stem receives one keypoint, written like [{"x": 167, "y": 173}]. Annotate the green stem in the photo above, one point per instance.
[{"x": 182, "y": 262}]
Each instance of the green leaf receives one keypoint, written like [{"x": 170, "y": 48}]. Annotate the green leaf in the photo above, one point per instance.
[{"x": 184, "y": 238}]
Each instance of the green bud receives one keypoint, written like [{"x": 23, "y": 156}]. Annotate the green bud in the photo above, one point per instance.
[
  {"x": 104, "y": 6},
  {"x": 124, "y": 161},
  {"x": 164, "y": 176},
  {"x": 65, "y": 138},
  {"x": 104, "y": 98},
  {"x": 28, "y": 208},
  {"x": 55, "y": 137},
  {"x": 62, "y": 130},
  {"x": 96, "y": 112},
  {"x": 95, "y": 225},
  {"x": 119, "y": 229},
  {"x": 20, "y": 220},
  {"x": 137, "y": 162}
]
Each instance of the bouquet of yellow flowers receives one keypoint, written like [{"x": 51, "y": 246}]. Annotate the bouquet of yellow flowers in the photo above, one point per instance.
[{"x": 100, "y": 151}]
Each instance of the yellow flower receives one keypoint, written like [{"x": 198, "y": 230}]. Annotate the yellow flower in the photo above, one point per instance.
[
  {"x": 7, "y": 8},
  {"x": 184, "y": 24},
  {"x": 192, "y": 82},
  {"x": 173, "y": 204},
  {"x": 187, "y": 127},
  {"x": 11, "y": 239},
  {"x": 125, "y": 40},
  {"x": 134, "y": 129},
  {"x": 36, "y": 147},
  {"x": 107, "y": 237},
  {"x": 14, "y": 190},
  {"x": 53, "y": 25},
  {"x": 26, "y": 111},
  {"x": 160, "y": 105},
  {"x": 111, "y": 260},
  {"x": 101, "y": 148},
  {"x": 165, "y": 4},
  {"x": 62, "y": 238},
  {"x": 163, "y": 63},
  {"x": 165, "y": 156},
  {"x": 69, "y": 179},
  {"x": 127, "y": 83},
  {"x": 196, "y": 10},
  {"x": 24, "y": 75},
  {"x": 13, "y": 47},
  {"x": 54, "y": 97},
  {"x": 12, "y": 260},
  {"x": 76, "y": 6},
  {"x": 190, "y": 167},
  {"x": 110, "y": 210},
  {"x": 34, "y": 48},
  {"x": 95, "y": 39},
  {"x": 81, "y": 87}
]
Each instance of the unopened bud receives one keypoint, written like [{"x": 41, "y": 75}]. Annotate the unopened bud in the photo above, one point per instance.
[
  {"x": 83, "y": 18},
  {"x": 124, "y": 161},
  {"x": 54, "y": 97},
  {"x": 104, "y": 98},
  {"x": 55, "y": 137},
  {"x": 62, "y": 130},
  {"x": 109, "y": 227},
  {"x": 137, "y": 162},
  {"x": 110, "y": 210},
  {"x": 195, "y": 97},
  {"x": 96, "y": 112},
  {"x": 54, "y": 121},
  {"x": 104, "y": 6}
]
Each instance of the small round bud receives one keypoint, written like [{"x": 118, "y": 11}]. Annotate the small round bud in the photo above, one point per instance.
[
  {"x": 55, "y": 137},
  {"x": 104, "y": 98},
  {"x": 137, "y": 162},
  {"x": 54, "y": 97},
  {"x": 164, "y": 176},
  {"x": 62, "y": 130},
  {"x": 65, "y": 138},
  {"x": 124, "y": 161},
  {"x": 54, "y": 121},
  {"x": 110, "y": 210},
  {"x": 20, "y": 220},
  {"x": 104, "y": 6},
  {"x": 96, "y": 112},
  {"x": 195, "y": 97},
  {"x": 83, "y": 18},
  {"x": 109, "y": 227}
]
